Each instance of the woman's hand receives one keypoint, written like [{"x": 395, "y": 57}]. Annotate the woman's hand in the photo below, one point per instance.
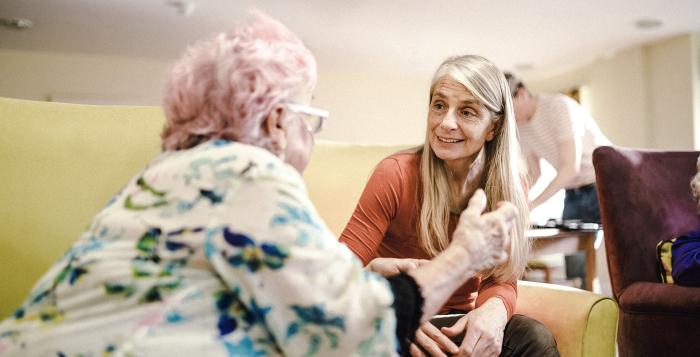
[
  {"x": 393, "y": 266},
  {"x": 430, "y": 341},
  {"x": 484, "y": 328},
  {"x": 486, "y": 238}
]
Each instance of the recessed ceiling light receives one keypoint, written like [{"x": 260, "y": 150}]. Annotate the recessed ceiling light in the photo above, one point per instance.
[
  {"x": 183, "y": 8},
  {"x": 17, "y": 23},
  {"x": 648, "y": 23}
]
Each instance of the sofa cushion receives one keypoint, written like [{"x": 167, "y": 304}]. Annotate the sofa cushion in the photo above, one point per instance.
[{"x": 656, "y": 298}]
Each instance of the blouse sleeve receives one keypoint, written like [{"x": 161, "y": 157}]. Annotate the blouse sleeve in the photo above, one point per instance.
[
  {"x": 293, "y": 278},
  {"x": 507, "y": 292},
  {"x": 375, "y": 210}
]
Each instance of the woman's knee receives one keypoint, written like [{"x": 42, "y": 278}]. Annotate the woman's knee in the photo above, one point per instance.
[{"x": 525, "y": 336}]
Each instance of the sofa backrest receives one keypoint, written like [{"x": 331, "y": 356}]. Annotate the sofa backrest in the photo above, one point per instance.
[{"x": 60, "y": 163}]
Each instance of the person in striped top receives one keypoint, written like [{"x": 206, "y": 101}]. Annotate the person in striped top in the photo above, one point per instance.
[{"x": 556, "y": 128}]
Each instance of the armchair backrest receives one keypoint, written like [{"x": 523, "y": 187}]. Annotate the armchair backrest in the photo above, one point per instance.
[{"x": 644, "y": 198}]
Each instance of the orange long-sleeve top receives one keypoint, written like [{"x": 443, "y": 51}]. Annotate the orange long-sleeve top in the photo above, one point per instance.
[{"x": 384, "y": 224}]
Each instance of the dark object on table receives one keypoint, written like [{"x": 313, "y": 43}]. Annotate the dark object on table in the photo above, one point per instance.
[{"x": 568, "y": 225}]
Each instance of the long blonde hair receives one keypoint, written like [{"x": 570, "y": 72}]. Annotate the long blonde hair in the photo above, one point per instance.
[{"x": 501, "y": 178}]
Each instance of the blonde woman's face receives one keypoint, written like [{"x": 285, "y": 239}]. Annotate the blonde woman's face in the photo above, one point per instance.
[{"x": 458, "y": 125}]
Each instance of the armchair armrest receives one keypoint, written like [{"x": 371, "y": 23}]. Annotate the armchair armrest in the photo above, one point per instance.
[{"x": 583, "y": 323}]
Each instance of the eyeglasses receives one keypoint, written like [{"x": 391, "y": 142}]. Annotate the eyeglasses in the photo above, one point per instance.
[{"x": 313, "y": 117}]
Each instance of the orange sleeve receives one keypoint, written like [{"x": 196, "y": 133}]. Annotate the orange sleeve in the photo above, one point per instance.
[
  {"x": 507, "y": 292},
  {"x": 375, "y": 210}
]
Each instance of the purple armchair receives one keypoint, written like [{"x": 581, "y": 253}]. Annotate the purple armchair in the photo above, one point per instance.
[{"x": 644, "y": 198}]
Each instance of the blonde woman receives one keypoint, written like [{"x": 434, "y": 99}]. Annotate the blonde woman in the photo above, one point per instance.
[{"x": 411, "y": 205}]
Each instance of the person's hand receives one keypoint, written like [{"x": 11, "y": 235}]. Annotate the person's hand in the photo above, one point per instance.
[
  {"x": 430, "y": 341},
  {"x": 485, "y": 237},
  {"x": 393, "y": 266},
  {"x": 695, "y": 185},
  {"x": 484, "y": 329}
]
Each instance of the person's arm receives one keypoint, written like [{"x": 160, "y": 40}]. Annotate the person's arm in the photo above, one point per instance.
[
  {"x": 279, "y": 261},
  {"x": 569, "y": 166},
  {"x": 506, "y": 293},
  {"x": 533, "y": 169},
  {"x": 310, "y": 293},
  {"x": 375, "y": 209}
]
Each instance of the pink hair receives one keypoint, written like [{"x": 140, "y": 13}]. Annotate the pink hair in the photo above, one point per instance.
[{"x": 224, "y": 87}]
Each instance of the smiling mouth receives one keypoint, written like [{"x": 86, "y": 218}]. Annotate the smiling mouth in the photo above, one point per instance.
[{"x": 448, "y": 140}]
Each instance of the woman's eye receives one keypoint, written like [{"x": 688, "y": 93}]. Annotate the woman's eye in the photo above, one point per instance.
[{"x": 468, "y": 113}]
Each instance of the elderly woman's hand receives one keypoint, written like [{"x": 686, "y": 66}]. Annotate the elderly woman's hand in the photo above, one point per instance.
[
  {"x": 485, "y": 237},
  {"x": 695, "y": 184},
  {"x": 393, "y": 266},
  {"x": 480, "y": 241}
]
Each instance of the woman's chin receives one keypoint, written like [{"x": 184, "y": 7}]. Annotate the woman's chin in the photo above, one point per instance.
[
  {"x": 445, "y": 155},
  {"x": 444, "y": 152}
]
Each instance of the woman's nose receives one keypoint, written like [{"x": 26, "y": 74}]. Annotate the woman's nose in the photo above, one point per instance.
[{"x": 449, "y": 121}]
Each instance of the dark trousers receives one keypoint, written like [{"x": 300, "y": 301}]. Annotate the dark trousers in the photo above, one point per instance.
[
  {"x": 522, "y": 336},
  {"x": 582, "y": 203}
]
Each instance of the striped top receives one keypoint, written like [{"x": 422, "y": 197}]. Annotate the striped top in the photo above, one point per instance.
[{"x": 558, "y": 118}]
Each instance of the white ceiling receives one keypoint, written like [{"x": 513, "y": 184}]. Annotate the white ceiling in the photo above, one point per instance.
[{"x": 411, "y": 35}]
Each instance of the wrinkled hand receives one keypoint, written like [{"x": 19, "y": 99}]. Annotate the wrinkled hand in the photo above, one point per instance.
[
  {"x": 484, "y": 329},
  {"x": 432, "y": 342},
  {"x": 695, "y": 185},
  {"x": 393, "y": 266},
  {"x": 486, "y": 237}
]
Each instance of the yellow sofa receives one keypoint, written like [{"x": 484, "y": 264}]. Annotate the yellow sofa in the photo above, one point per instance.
[{"x": 59, "y": 163}]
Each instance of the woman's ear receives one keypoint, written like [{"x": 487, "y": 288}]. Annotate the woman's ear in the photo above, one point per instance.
[
  {"x": 490, "y": 135},
  {"x": 495, "y": 128},
  {"x": 274, "y": 127}
]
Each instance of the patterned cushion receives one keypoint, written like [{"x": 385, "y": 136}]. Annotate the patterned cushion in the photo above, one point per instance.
[{"x": 664, "y": 261}]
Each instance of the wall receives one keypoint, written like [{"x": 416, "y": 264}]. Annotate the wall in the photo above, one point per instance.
[
  {"x": 365, "y": 106},
  {"x": 99, "y": 79},
  {"x": 615, "y": 95},
  {"x": 695, "y": 61},
  {"x": 373, "y": 107},
  {"x": 670, "y": 92},
  {"x": 641, "y": 97}
]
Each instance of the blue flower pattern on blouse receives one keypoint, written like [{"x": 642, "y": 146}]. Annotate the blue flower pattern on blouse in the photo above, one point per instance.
[{"x": 215, "y": 250}]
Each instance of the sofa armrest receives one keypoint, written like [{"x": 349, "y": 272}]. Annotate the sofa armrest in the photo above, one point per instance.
[{"x": 583, "y": 323}]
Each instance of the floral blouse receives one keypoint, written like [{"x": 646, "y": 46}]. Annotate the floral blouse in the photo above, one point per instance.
[{"x": 212, "y": 251}]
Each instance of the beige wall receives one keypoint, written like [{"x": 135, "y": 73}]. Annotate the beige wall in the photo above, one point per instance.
[
  {"x": 614, "y": 94},
  {"x": 373, "y": 107},
  {"x": 695, "y": 61},
  {"x": 641, "y": 97},
  {"x": 670, "y": 92},
  {"x": 98, "y": 79},
  {"x": 365, "y": 106}
]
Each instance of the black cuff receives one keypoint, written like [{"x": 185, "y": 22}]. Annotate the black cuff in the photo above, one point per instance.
[{"x": 408, "y": 305}]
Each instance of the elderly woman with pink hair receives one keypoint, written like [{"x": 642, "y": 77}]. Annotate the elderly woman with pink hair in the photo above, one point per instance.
[{"x": 215, "y": 248}]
